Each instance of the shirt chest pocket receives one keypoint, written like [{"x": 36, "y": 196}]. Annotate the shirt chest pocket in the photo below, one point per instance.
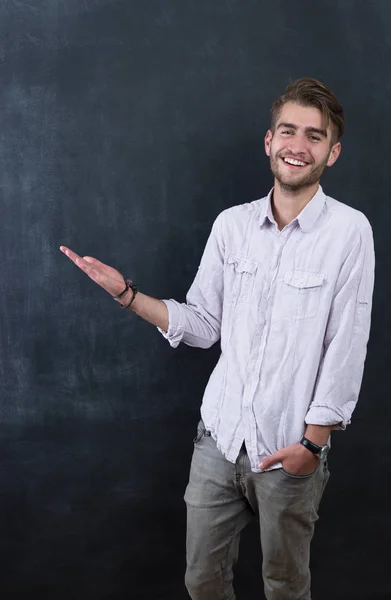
[
  {"x": 301, "y": 294},
  {"x": 240, "y": 278}
]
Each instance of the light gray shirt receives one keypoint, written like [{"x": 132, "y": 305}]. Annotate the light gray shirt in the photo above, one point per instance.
[{"x": 292, "y": 311}]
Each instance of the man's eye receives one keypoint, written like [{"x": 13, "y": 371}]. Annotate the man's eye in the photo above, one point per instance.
[
  {"x": 315, "y": 138},
  {"x": 287, "y": 132}
]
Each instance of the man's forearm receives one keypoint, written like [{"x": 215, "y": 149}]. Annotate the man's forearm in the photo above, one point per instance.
[
  {"x": 318, "y": 434},
  {"x": 150, "y": 309}
]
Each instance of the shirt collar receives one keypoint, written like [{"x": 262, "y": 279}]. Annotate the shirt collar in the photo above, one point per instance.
[
  {"x": 306, "y": 218},
  {"x": 266, "y": 210}
]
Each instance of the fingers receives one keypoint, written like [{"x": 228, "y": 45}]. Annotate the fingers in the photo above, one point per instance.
[
  {"x": 75, "y": 258},
  {"x": 109, "y": 271},
  {"x": 93, "y": 273},
  {"x": 272, "y": 460},
  {"x": 68, "y": 252},
  {"x": 107, "y": 277},
  {"x": 81, "y": 263},
  {"x": 94, "y": 261}
]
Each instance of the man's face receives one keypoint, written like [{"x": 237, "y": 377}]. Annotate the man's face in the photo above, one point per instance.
[{"x": 300, "y": 147}]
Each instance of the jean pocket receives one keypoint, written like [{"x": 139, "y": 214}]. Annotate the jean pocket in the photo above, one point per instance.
[
  {"x": 294, "y": 476},
  {"x": 201, "y": 432}
]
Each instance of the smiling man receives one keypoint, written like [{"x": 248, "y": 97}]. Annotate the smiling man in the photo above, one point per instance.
[
  {"x": 285, "y": 283},
  {"x": 311, "y": 159}
]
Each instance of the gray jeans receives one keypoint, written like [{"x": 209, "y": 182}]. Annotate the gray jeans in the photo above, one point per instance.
[{"x": 222, "y": 498}]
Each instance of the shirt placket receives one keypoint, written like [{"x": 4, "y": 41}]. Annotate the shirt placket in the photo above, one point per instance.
[{"x": 260, "y": 341}]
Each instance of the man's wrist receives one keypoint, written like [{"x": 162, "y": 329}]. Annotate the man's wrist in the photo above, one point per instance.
[
  {"x": 318, "y": 434},
  {"x": 137, "y": 302},
  {"x": 126, "y": 298},
  {"x": 320, "y": 452},
  {"x": 305, "y": 452},
  {"x": 128, "y": 295}
]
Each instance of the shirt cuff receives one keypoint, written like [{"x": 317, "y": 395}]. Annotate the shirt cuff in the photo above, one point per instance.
[
  {"x": 174, "y": 334},
  {"x": 325, "y": 414}
]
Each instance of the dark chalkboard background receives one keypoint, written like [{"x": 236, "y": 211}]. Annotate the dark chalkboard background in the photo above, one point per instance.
[{"x": 125, "y": 128}]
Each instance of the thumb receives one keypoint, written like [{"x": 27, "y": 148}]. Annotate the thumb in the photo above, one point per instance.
[{"x": 271, "y": 460}]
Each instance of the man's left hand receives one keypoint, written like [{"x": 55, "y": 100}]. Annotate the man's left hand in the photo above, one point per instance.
[{"x": 295, "y": 459}]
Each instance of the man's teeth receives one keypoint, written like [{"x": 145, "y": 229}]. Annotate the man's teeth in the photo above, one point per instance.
[{"x": 292, "y": 161}]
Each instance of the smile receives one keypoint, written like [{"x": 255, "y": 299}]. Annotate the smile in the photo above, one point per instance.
[{"x": 294, "y": 162}]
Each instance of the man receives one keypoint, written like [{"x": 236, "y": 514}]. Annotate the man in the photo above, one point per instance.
[{"x": 286, "y": 284}]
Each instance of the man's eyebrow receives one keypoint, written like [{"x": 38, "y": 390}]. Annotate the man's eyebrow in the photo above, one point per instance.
[
  {"x": 322, "y": 132},
  {"x": 316, "y": 130},
  {"x": 287, "y": 125}
]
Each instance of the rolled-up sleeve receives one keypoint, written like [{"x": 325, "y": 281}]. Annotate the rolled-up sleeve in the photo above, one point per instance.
[
  {"x": 345, "y": 344},
  {"x": 175, "y": 332},
  {"x": 197, "y": 322}
]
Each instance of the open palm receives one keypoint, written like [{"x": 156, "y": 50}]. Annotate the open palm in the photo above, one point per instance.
[{"x": 108, "y": 278}]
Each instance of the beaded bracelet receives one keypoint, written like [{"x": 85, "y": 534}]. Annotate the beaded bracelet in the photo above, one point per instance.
[{"x": 129, "y": 286}]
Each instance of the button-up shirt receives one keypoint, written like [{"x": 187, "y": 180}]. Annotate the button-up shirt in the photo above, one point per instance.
[{"x": 292, "y": 311}]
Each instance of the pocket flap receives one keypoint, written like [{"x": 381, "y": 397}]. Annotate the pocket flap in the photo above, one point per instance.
[
  {"x": 303, "y": 279},
  {"x": 242, "y": 265}
]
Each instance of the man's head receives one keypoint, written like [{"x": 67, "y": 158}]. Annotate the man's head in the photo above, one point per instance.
[{"x": 307, "y": 122}]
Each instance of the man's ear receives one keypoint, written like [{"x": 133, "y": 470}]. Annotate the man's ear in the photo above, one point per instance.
[
  {"x": 335, "y": 152},
  {"x": 268, "y": 141}
]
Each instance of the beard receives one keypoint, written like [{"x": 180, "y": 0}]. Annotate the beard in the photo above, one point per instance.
[{"x": 293, "y": 182}]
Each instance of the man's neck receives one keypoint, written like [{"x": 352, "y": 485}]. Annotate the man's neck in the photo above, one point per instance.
[{"x": 287, "y": 204}]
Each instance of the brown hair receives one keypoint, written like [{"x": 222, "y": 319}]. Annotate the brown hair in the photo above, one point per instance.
[{"x": 310, "y": 92}]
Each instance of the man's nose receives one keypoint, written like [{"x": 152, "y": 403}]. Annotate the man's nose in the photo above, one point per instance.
[{"x": 298, "y": 144}]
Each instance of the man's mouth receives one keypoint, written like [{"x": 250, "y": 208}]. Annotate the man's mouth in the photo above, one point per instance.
[{"x": 294, "y": 163}]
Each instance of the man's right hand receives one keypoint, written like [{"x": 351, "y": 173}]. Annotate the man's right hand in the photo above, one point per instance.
[
  {"x": 152, "y": 310},
  {"x": 108, "y": 278}
]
